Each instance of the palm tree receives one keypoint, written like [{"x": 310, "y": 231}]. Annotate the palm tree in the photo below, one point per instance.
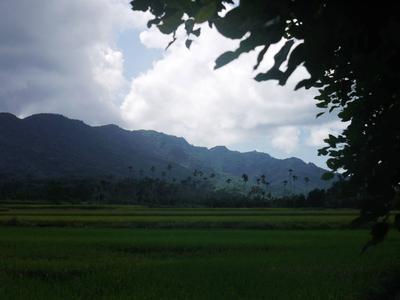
[
  {"x": 130, "y": 170},
  {"x": 285, "y": 182},
  {"x": 306, "y": 180},
  {"x": 294, "y": 177},
  {"x": 290, "y": 180},
  {"x": 169, "y": 168},
  {"x": 152, "y": 169},
  {"x": 267, "y": 187},
  {"x": 245, "y": 178}
]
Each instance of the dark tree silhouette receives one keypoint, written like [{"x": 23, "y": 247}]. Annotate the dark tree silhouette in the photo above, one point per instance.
[
  {"x": 245, "y": 179},
  {"x": 152, "y": 169},
  {"x": 285, "y": 182},
  {"x": 352, "y": 53},
  {"x": 131, "y": 171},
  {"x": 294, "y": 178}
]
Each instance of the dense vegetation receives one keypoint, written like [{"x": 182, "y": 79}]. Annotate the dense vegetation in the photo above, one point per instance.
[{"x": 192, "y": 191}]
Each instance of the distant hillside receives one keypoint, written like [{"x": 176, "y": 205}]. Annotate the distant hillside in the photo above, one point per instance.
[{"x": 49, "y": 145}]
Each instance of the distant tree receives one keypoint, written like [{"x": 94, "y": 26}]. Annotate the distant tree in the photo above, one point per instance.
[
  {"x": 294, "y": 178},
  {"x": 285, "y": 182},
  {"x": 152, "y": 170},
  {"x": 316, "y": 198},
  {"x": 245, "y": 179},
  {"x": 130, "y": 168},
  {"x": 169, "y": 169},
  {"x": 267, "y": 188}
]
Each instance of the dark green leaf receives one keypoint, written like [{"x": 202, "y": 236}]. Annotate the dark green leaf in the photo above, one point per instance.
[
  {"x": 274, "y": 72},
  {"x": 140, "y": 5},
  {"x": 397, "y": 221},
  {"x": 189, "y": 24},
  {"x": 306, "y": 83},
  {"x": 260, "y": 56},
  {"x": 327, "y": 176},
  {"x": 224, "y": 59},
  {"x": 152, "y": 22},
  {"x": 188, "y": 43},
  {"x": 171, "y": 23},
  {"x": 196, "y": 32},
  {"x": 206, "y": 12}
]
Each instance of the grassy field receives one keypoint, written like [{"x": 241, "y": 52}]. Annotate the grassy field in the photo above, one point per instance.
[
  {"x": 96, "y": 262},
  {"x": 131, "y": 216}
]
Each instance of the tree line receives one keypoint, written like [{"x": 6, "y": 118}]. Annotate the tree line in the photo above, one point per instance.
[{"x": 162, "y": 187}]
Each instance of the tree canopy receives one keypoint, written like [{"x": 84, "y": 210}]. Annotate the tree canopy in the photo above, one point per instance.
[{"x": 351, "y": 51}]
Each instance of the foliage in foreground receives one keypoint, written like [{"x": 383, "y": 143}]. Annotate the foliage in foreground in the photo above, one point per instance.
[{"x": 352, "y": 53}]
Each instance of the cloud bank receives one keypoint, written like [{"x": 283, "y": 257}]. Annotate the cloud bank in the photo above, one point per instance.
[
  {"x": 62, "y": 57},
  {"x": 183, "y": 95},
  {"x": 59, "y": 56}
]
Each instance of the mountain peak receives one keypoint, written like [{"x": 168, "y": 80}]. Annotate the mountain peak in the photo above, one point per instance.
[
  {"x": 8, "y": 116},
  {"x": 42, "y": 116},
  {"x": 219, "y": 148}
]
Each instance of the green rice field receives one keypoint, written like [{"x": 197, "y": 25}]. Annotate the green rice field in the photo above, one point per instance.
[
  {"x": 131, "y": 216},
  {"x": 88, "y": 252}
]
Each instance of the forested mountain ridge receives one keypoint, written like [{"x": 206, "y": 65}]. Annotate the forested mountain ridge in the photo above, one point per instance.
[{"x": 50, "y": 145}]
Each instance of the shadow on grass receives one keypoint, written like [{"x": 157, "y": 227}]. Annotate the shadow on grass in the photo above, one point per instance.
[{"x": 387, "y": 287}]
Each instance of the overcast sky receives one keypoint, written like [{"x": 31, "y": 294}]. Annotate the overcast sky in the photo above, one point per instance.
[{"x": 95, "y": 60}]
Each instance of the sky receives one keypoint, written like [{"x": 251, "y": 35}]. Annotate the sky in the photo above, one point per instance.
[{"x": 95, "y": 60}]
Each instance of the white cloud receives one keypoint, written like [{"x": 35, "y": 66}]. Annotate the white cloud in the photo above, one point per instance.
[
  {"x": 152, "y": 38},
  {"x": 321, "y": 132},
  {"x": 286, "y": 138},
  {"x": 182, "y": 95},
  {"x": 60, "y": 56}
]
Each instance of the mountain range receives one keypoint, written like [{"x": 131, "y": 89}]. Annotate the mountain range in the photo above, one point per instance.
[{"x": 51, "y": 146}]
